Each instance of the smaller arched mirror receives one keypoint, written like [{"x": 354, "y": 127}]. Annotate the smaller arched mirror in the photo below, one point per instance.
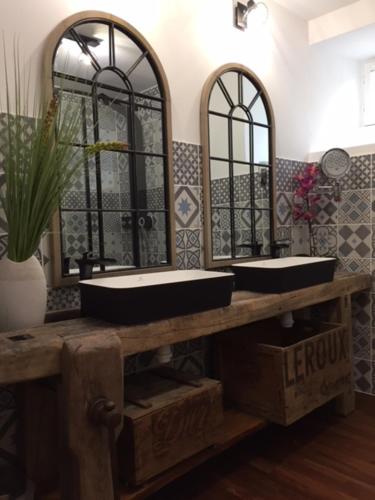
[{"x": 237, "y": 129}]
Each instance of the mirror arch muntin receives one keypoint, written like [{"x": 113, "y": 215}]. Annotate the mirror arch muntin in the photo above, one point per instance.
[
  {"x": 51, "y": 46},
  {"x": 208, "y": 87}
]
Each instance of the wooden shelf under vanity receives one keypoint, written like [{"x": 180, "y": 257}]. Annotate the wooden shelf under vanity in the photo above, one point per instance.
[{"x": 236, "y": 426}]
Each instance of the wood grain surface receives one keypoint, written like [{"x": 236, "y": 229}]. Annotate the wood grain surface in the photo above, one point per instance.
[{"x": 36, "y": 353}]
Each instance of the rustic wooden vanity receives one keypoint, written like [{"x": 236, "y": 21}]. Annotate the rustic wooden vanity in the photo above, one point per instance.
[{"x": 86, "y": 357}]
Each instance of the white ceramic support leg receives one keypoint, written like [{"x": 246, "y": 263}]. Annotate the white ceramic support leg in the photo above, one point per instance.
[
  {"x": 164, "y": 354},
  {"x": 287, "y": 320}
]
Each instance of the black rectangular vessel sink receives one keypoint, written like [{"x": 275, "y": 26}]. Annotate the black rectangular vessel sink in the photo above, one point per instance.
[
  {"x": 141, "y": 298},
  {"x": 284, "y": 274}
]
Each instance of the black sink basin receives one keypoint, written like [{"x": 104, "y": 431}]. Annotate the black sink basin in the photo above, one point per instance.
[
  {"x": 141, "y": 298},
  {"x": 284, "y": 274}
]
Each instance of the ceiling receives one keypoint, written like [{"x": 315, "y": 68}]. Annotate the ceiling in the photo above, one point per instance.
[
  {"x": 358, "y": 44},
  {"x": 309, "y": 9}
]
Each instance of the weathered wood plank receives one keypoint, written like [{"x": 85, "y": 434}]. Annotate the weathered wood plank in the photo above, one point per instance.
[
  {"x": 345, "y": 403},
  {"x": 92, "y": 368},
  {"x": 181, "y": 422},
  {"x": 39, "y": 356}
]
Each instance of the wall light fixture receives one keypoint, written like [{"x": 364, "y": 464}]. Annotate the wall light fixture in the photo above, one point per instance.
[{"x": 242, "y": 11}]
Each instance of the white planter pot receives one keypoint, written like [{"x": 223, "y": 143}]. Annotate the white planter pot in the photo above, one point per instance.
[{"x": 23, "y": 294}]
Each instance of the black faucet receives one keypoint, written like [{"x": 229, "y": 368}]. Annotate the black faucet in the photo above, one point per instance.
[
  {"x": 86, "y": 264},
  {"x": 256, "y": 248},
  {"x": 277, "y": 246}
]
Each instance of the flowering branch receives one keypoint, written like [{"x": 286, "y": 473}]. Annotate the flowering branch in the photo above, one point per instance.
[{"x": 305, "y": 200}]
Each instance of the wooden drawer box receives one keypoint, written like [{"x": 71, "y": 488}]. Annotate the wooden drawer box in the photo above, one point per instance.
[
  {"x": 180, "y": 420},
  {"x": 282, "y": 374}
]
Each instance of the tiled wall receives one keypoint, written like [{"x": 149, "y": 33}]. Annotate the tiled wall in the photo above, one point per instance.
[
  {"x": 345, "y": 230},
  {"x": 221, "y": 223},
  {"x": 115, "y": 184}
]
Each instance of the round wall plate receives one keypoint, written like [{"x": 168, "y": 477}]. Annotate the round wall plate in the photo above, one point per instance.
[{"x": 335, "y": 163}]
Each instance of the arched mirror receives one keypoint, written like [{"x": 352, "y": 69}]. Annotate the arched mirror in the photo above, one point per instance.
[
  {"x": 237, "y": 130},
  {"x": 118, "y": 209}
]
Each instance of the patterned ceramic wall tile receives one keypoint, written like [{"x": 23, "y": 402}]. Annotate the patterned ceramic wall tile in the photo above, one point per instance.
[
  {"x": 355, "y": 207},
  {"x": 373, "y": 377},
  {"x": 359, "y": 176},
  {"x": 362, "y": 342},
  {"x": 325, "y": 239},
  {"x": 284, "y": 209},
  {"x": 361, "y": 309},
  {"x": 284, "y": 233},
  {"x": 187, "y": 207},
  {"x": 188, "y": 247},
  {"x": 220, "y": 192},
  {"x": 355, "y": 265},
  {"x": 372, "y": 271},
  {"x": 3, "y": 245},
  {"x": 327, "y": 212},
  {"x": 194, "y": 363},
  {"x": 284, "y": 173},
  {"x": 7, "y": 425},
  {"x": 362, "y": 375},
  {"x": 186, "y": 161},
  {"x": 300, "y": 240},
  {"x": 60, "y": 299},
  {"x": 3, "y": 222},
  {"x": 354, "y": 241}
]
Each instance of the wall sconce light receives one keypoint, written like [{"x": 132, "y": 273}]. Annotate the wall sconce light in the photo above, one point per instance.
[{"x": 242, "y": 12}]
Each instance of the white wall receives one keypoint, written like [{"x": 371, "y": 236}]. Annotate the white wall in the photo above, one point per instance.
[
  {"x": 193, "y": 38},
  {"x": 335, "y": 104}
]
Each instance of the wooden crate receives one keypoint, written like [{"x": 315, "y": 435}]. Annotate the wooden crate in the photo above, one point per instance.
[
  {"x": 283, "y": 374},
  {"x": 176, "y": 421}
]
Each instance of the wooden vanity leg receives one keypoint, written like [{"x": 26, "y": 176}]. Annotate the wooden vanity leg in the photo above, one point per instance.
[
  {"x": 345, "y": 403},
  {"x": 92, "y": 368}
]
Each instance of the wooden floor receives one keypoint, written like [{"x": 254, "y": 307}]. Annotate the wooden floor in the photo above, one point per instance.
[{"x": 320, "y": 457}]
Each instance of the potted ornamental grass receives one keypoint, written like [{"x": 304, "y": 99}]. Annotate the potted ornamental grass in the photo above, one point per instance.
[{"x": 38, "y": 166}]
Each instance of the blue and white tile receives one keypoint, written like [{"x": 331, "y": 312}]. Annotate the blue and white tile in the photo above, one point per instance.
[
  {"x": 188, "y": 249},
  {"x": 354, "y": 241},
  {"x": 325, "y": 240},
  {"x": 327, "y": 210},
  {"x": 186, "y": 164},
  {"x": 3, "y": 245},
  {"x": 300, "y": 240},
  {"x": 361, "y": 309},
  {"x": 187, "y": 207},
  {"x": 194, "y": 363},
  {"x": 363, "y": 375},
  {"x": 359, "y": 175},
  {"x": 355, "y": 207},
  {"x": 60, "y": 299},
  {"x": 284, "y": 175},
  {"x": 355, "y": 265},
  {"x": 362, "y": 341},
  {"x": 284, "y": 209}
]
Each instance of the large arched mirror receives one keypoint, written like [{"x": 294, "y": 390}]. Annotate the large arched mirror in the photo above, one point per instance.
[
  {"x": 118, "y": 208},
  {"x": 237, "y": 130}
]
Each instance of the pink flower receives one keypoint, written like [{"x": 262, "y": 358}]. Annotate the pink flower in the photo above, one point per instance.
[
  {"x": 304, "y": 201},
  {"x": 308, "y": 216}
]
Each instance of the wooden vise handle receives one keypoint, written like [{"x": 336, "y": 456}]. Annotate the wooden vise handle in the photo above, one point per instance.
[{"x": 102, "y": 412}]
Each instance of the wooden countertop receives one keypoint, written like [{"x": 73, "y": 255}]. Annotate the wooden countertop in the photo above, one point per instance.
[{"x": 35, "y": 353}]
